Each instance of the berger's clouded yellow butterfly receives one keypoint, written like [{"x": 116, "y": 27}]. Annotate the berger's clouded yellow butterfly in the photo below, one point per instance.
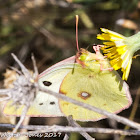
[{"x": 90, "y": 79}]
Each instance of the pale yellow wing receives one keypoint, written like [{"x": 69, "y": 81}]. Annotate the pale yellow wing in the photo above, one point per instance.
[
  {"x": 104, "y": 90},
  {"x": 44, "y": 104}
]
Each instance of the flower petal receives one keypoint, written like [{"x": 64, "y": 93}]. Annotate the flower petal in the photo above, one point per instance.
[
  {"x": 127, "y": 70},
  {"x": 112, "y": 33}
]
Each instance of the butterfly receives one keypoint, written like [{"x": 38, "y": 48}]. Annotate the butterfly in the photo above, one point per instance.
[{"x": 86, "y": 77}]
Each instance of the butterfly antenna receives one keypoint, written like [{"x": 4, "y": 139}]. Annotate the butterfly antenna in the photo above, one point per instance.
[{"x": 77, "y": 19}]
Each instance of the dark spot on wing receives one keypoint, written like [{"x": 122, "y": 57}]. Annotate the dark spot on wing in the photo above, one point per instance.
[
  {"x": 90, "y": 76},
  {"x": 47, "y": 83},
  {"x": 52, "y": 103},
  {"x": 40, "y": 103}
]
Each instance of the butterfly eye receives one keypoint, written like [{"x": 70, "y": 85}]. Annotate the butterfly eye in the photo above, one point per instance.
[{"x": 47, "y": 83}]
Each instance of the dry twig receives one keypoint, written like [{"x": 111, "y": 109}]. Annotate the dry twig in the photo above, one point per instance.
[
  {"x": 75, "y": 124},
  {"x": 57, "y": 128}
]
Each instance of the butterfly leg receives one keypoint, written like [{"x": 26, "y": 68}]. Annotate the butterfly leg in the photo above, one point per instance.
[
  {"x": 104, "y": 69},
  {"x": 101, "y": 58},
  {"x": 96, "y": 48},
  {"x": 98, "y": 53}
]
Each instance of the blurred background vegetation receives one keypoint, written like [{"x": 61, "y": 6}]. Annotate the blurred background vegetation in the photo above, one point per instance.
[{"x": 47, "y": 29}]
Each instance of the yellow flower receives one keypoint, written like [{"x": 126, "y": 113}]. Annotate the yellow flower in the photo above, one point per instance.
[{"x": 120, "y": 49}]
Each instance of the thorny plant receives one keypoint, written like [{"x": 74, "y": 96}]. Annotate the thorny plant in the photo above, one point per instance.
[
  {"x": 24, "y": 89},
  {"x": 23, "y": 93}
]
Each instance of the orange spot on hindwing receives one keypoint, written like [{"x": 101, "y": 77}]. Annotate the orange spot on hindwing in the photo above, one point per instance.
[{"x": 84, "y": 95}]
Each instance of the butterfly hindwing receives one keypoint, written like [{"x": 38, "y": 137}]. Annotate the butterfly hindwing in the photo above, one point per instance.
[{"x": 102, "y": 90}]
